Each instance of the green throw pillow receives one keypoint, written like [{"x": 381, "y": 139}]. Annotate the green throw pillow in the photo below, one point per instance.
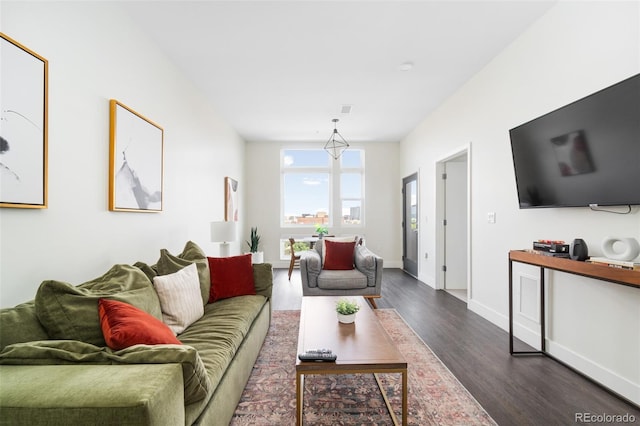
[
  {"x": 263, "y": 278},
  {"x": 149, "y": 271},
  {"x": 71, "y": 312},
  {"x": 20, "y": 324},
  {"x": 169, "y": 264}
]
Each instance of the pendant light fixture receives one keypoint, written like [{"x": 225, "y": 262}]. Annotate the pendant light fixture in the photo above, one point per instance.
[{"x": 336, "y": 144}]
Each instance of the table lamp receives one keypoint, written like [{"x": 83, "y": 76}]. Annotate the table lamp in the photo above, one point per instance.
[{"x": 223, "y": 233}]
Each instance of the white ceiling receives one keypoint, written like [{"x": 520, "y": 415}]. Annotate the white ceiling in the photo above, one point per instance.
[{"x": 281, "y": 70}]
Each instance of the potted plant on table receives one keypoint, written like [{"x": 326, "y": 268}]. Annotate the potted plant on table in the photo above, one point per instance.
[
  {"x": 346, "y": 310},
  {"x": 321, "y": 230},
  {"x": 253, "y": 243}
]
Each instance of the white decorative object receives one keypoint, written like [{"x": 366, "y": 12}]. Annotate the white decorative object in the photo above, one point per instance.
[
  {"x": 257, "y": 257},
  {"x": 629, "y": 251},
  {"x": 346, "y": 319}
]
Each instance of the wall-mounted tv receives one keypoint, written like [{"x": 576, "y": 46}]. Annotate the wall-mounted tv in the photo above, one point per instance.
[{"x": 583, "y": 154}]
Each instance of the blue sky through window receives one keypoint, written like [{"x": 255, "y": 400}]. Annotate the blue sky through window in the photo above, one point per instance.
[
  {"x": 306, "y": 193},
  {"x": 307, "y": 182}
]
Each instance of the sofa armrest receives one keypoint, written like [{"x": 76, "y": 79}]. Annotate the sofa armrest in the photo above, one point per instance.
[
  {"x": 310, "y": 267},
  {"x": 369, "y": 264},
  {"x": 147, "y": 394}
]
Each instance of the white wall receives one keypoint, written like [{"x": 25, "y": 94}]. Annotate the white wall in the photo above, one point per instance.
[
  {"x": 95, "y": 54},
  {"x": 574, "y": 50},
  {"x": 383, "y": 201}
]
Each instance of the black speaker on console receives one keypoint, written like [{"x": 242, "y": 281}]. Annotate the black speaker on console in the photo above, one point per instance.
[{"x": 579, "y": 250}]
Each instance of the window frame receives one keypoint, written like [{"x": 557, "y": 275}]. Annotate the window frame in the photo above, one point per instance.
[
  {"x": 335, "y": 170},
  {"x": 360, "y": 170},
  {"x": 284, "y": 169}
]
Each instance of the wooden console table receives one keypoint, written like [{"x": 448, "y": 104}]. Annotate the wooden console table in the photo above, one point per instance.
[{"x": 590, "y": 270}]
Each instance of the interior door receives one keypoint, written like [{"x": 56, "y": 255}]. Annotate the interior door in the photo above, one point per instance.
[
  {"x": 410, "y": 224},
  {"x": 456, "y": 224}
]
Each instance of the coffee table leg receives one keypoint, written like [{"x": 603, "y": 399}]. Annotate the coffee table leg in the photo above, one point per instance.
[
  {"x": 299, "y": 395},
  {"x": 404, "y": 397}
]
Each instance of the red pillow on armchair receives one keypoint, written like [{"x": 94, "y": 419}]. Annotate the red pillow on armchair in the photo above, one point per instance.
[{"x": 339, "y": 255}]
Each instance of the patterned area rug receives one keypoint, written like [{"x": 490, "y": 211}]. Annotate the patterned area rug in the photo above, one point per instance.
[{"x": 435, "y": 395}]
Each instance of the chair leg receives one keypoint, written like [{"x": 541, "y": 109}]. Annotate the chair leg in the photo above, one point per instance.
[
  {"x": 290, "y": 268},
  {"x": 372, "y": 301}
]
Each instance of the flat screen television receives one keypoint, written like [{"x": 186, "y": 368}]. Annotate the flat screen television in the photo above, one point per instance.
[{"x": 584, "y": 154}]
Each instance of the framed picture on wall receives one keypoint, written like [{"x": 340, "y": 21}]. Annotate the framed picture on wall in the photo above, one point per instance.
[
  {"x": 135, "y": 161},
  {"x": 230, "y": 199},
  {"x": 23, "y": 126}
]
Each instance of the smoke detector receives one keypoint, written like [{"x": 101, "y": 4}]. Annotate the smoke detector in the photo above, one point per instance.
[{"x": 406, "y": 66}]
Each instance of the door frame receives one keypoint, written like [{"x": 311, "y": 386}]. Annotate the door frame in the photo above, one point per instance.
[{"x": 440, "y": 216}]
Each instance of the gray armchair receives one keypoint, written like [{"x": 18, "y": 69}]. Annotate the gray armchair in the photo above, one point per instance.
[{"x": 364, "y": 280}]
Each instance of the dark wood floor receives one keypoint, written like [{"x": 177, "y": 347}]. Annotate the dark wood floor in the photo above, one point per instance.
[{"x": 530, "y": 390}]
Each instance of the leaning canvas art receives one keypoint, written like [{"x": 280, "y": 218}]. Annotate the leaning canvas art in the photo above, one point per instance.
[{"x": 230, "y": 199}]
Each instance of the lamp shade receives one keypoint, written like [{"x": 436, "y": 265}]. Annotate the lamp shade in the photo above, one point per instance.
[{"x": 222, "y": 232}]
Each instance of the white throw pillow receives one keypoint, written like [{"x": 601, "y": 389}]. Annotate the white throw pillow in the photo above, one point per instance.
[{"x": 180, "y": 298}]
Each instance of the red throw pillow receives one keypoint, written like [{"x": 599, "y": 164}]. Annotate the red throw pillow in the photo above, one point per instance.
[
  {"x": 339, "y": 255},
  {"x": 124, "y": 325},
  {"x": 230, "y": 277}
]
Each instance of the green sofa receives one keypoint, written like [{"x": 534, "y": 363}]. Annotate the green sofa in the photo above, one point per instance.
[{"x": 63, "y": 373}]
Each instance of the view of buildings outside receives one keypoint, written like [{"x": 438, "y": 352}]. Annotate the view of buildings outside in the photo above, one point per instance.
[{"x": 307, "y": 187}]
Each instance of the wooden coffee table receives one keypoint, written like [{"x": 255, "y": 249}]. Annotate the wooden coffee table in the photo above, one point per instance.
[{"x": 361, "y": 347}]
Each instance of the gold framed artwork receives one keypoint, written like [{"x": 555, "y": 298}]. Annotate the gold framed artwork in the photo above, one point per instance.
[
  {"x": 24, "y": 79},
  {"x": 135, "y": 161},
  {"x": 230, "y": 199}
]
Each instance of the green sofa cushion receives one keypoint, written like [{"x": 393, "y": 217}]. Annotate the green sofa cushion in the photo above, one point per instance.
[
  {"x": 219, "y": 333},
  {"x": 61, "y": 352},
  {"x": 20, "y": 324},
  {"x": 61, "y": 395},
  {"x": 71, "y": 312},
  {"x": 169, "y": 264}
]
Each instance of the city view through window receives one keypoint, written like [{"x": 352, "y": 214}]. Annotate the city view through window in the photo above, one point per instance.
[{"x": 313, "y": 183}]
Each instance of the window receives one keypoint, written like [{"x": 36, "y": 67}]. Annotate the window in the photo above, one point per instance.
[
  {"x": 319, "y": 190},
  {"x": 306, "y": 187},
  {"x": 351, "y": 186}
]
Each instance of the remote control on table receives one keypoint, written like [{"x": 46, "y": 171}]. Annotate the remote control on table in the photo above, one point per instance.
[
  {"x": 316, "y": 355},
  {"x": 318, "y": 351}
]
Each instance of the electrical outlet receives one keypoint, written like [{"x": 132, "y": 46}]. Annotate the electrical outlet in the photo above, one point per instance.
[{"x": 491, "y": 217}]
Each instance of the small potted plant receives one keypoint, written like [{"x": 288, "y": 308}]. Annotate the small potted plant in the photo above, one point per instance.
[
  {"x": 321, "y": 230},
  {"x": 346, "y": 310},
  {"x": 253, "y": 243}
]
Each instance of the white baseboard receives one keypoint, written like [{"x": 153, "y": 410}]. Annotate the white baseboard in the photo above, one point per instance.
[
  {"x": 489, "y": 314},
  {"x": 397, "y": 264},
  {"x": 596, "y": 372},
  {"x": 528, "y": 336},
  {"x": 589, "y": 368}
]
